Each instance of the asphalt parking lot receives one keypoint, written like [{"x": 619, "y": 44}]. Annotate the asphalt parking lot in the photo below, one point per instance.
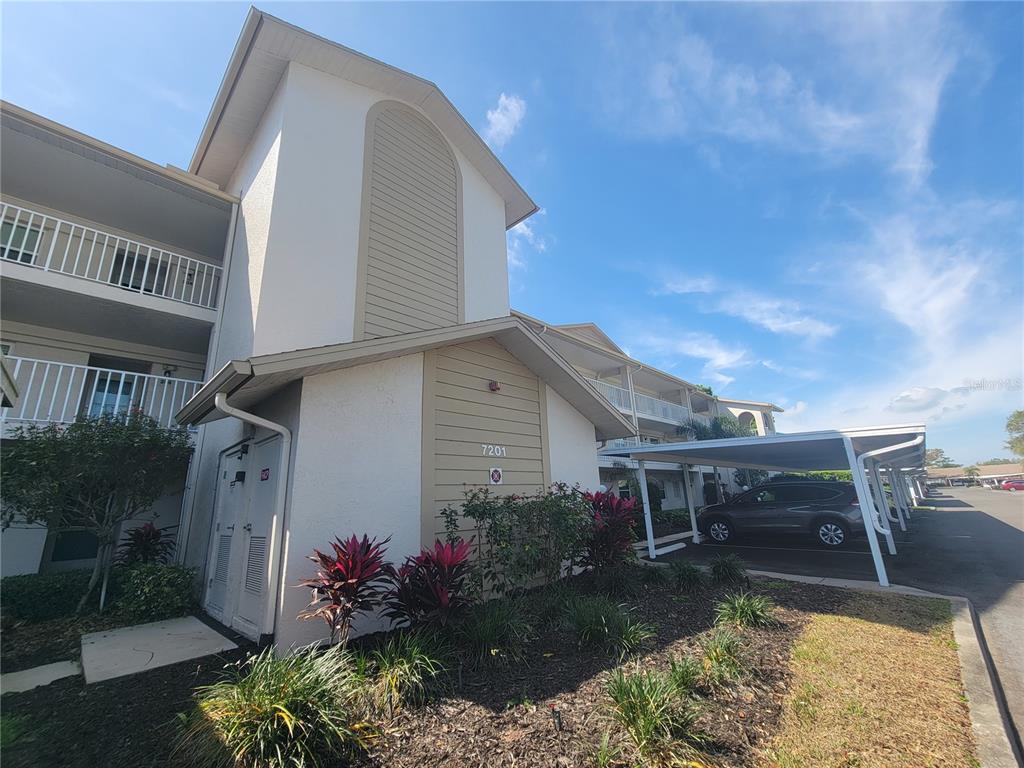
[{"x": 971, "y": 544}]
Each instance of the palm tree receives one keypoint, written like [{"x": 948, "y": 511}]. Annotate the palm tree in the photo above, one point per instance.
[{"x": 719, "y": 428}]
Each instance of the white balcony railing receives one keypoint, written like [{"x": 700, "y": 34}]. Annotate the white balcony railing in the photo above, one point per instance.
[
  {"x": 645, "y": 404},
  {"x": 62, "y": 392},
  {"x": 55, "y": 245}
]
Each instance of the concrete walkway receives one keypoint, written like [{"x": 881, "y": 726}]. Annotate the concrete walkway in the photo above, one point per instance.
[
  {"x": 27, "y": 679},
  {"x": 125, "y": 651}
]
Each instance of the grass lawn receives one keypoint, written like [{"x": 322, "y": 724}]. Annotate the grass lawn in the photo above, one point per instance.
[
  {"x": 876, "y": 684},
  {"x": 837, "y": 679}
]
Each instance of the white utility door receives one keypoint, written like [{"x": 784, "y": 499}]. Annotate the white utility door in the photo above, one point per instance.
[
  {"x": 264, "y": 463},
  {"x": 231, "y": 501}
]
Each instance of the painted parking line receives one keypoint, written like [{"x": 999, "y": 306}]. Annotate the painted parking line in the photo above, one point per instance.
[{"x": 796, "y": 549}]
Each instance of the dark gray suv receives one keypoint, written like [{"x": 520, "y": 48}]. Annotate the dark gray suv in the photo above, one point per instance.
[{"x": 825, "y": 509}]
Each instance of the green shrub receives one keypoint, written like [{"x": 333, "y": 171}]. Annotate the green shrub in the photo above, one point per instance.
[
  {"x": 686, "y": 674},
  {"x": 156, "y": 592},
  {"x": 600, "y": 622},
  {"x": 495, "y": 632},
  {"x": 35, "y": 597},
  {"x": 547, "y": 604},
  {"x": 660, "y": 721},
  {"x": 653, "y": 576},
  {"x": 687, "y": 576},
  {"x": 270, "y": 712},
  {"x": 405, "y": 669},
  {"x": 722, "y": 659},
  {"x": 745, "y": 610},
  {"x": 728, "y": 569}
]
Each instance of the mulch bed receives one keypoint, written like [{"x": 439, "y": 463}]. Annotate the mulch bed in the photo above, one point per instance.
[
  {"x": 23, "y": 646},
  {"x": 497, "y": 717},
  {"x": 130, "y": 721},
  {"x": 507, "y": 717}
]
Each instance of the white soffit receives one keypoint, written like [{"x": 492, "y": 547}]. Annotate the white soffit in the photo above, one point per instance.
[
  {"x": 259, "y": 60},
  {"x": 800, "y": 451}
]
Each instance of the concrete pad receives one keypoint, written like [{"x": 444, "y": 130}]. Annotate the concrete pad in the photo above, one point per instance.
[
  {"x": 128, "y": 650},
  {"x": 27, "y": 679}
]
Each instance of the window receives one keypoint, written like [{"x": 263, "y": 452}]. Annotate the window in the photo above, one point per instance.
[
  {"x": 18, "y": 242},
  {"x": 130, "y": 268},
  {"x": 812, "y": 493},
  {"x": 765, "y": 496},
  {"x": 112, "y": 396},
  {"x": 74, "y": 545}
]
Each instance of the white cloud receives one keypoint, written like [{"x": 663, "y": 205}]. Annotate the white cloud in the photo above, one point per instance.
[
  {"x": 718, "y": 357},
  {"x": 797, "y": 408},
  {"x": 792, "y": 371},
  {"x": 776, "y": 315},
  {"x": 503, "y": 121},
  {"x": 918, "y": 399},
  {"x": 521, "y": 239},
  {"x": 870, "y": 86},
  {"x": 683, "y": 283}
]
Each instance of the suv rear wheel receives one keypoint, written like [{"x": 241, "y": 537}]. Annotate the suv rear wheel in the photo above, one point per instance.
[
  {"x": 720, "y": 530},
  {"x": 831, "y": 533}
]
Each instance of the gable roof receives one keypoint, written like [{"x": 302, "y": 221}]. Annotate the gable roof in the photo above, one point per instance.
[
  {"x": 753, "y": 403},
  {"x": 265, "y": 47},
  {"x": 247, "y": 382},
  {"x": 592, "y": 333}
]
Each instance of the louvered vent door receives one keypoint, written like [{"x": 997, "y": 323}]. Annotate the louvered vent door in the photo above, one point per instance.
[{"x": 412, "y": 254}]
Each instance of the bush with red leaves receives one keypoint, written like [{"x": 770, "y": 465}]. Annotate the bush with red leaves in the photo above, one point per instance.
[
  {"x": 611, "y": 535},
  {"x": 431, "y": 588},
  {"x": 352, "y": 579}
]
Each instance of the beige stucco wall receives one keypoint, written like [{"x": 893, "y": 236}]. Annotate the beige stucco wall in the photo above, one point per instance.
[
  {"x": 357, "y": 470},
  {"x": 571, "y": 444}
]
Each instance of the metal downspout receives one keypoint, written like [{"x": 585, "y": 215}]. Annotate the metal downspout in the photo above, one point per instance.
[{"x": 277, "y": 525}]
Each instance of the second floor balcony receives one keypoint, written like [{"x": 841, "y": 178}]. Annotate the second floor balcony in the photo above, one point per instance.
[
  {"x": 53, "y": 392},
  {"x": 648, "y": 407},
  {"x": 43, "y": 241}
]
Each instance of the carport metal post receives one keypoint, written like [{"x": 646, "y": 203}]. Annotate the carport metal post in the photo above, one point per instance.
[
  {"x": 860, "y": 482},
  {"x": 877, "y": 468},
  {"x": 899, "y": 493},
  {"x": 690, "y": 503},
  {"x": 875, "y": 481},
  {"x": 642, "y": 472},
  {"x": 910, "y": 487}
]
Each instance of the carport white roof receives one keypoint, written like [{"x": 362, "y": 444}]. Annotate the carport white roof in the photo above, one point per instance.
[{"x": 795, "y": 452}]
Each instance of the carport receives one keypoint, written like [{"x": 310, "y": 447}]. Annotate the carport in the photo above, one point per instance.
[{"x": 897, "y": 451}]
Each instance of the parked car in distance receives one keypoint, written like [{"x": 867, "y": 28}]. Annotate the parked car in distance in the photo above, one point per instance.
[
  {"x": 1012, "y": 485},
  {"x": 827, "y": 510}
]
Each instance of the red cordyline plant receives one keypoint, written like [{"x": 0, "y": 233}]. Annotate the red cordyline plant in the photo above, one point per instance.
[
  {"x": 611, "y": 536},
  {"x": 145, "y": 544},
  {"x": 430, "y": 588},
  {"x": 350, "y": 580}
]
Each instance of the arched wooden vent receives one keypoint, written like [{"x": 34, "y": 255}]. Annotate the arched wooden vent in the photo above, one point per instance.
[{"x": 412, "y": 228}]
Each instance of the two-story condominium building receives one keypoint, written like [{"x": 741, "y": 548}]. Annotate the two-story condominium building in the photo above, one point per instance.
[{"x": 333, "y": 266}]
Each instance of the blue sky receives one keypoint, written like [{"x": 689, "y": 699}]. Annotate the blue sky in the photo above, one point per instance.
[{"x": 817, "y": 205}]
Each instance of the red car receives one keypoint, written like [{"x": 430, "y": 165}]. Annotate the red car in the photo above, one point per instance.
[{"x": 1012, "y": 485}]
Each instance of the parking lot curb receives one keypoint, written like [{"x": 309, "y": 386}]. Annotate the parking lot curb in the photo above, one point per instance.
[{"x": 988, "y": 710}]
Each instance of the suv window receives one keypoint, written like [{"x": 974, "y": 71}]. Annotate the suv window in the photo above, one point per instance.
[
  {"x": 762, "y": 496},
  {"x": 812, "y": 493}
]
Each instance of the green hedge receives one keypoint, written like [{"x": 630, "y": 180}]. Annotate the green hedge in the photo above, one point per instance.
[
  {"x": 155, "y": 592},
  {"x": 142, "y": 593}
]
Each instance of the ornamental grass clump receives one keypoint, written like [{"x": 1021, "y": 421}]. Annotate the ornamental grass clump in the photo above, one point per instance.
[
  {"x": 745, "y": 610},
  {"x": 728, "y": 569},
  {"x": 599, "y": 622},
  {"x": 352, "y": 579},
  {"x": 722, "y": 657},
  {"x": 658, "y": 717},
  {"x": 405, "y": 670},
  {"x": 686, "y": 576},
  {"x": 301, "y": 710},
  {"x": 495, "y": 632}
]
